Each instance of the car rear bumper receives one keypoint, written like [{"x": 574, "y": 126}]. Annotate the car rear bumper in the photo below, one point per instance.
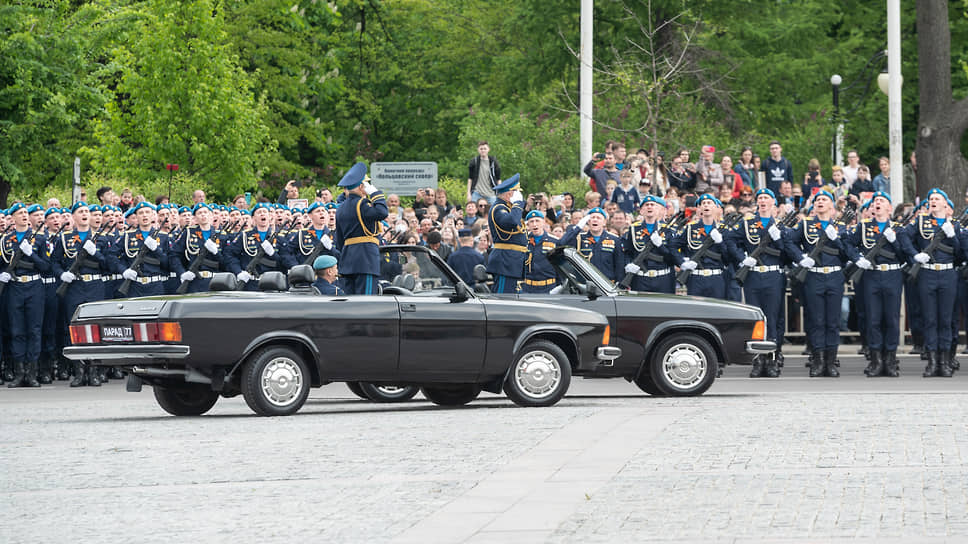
[
  {"x": 115, "y": 355},
  {"x": 760, "y": 346}
]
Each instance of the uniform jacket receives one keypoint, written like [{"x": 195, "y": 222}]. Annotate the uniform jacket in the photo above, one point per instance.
[
  {"x": 123, "y": 253},
  {"x": 605, "y": 252},
  {"x": 357, "y": 226},
  {"x": 510, "y": 243}
]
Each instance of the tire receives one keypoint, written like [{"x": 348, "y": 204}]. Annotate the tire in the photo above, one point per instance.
[
  {"x": 189, "y": 400},
  {"x": 683, "y": 365},
  {"x": 275, "y": 382},
  {"x": 647, "y": 384},
  {"x": 357, "y": 390},
  {"x": 539, "y": 376},
  {"x": 456, "y": 394},
  {"x": 388, "y": 393}
]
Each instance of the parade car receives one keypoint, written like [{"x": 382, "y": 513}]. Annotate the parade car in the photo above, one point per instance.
[
  {"x": 672, "y": 345},
  {"x": 427, "y": 329}
]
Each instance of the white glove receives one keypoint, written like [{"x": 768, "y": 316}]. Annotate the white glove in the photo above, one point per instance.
[
  {"x": 129, "y": 274},
  {"x": 748, "y": 262},
  {"x": 831, "y": 232},
  {"x": 211, "y": 246},
  {"x": 516, "y": 196},
  {"x": 656, "y": 239},
  {"x": 326, "y": 241},
  {"x": 632, "y": 268},
  {"x": 716, "y": 236},
  {"x": 267, "y": 247},
  {"x": 774, "y": 232},
  {"x": 583, "y": 221},
  {"x": 556, "y": 290},
  {"x": 187, "y": 275},
  {"x": 807, "y": 262},
  {"x": 151, "y": 243},
  {"x": 244, "y": 276},
  {"x": 688, "y": 264},
  {"x": 863, "y": 263},
  {"x": 368, "y": 188},
  {"x": 947, "y": 228},
  {"x": 28, "y": 249},
  {"x": 890, "y": 235},
  {"x": 5, "y": 277},
  {"x": 400, "y": 228},
  {"x": 67, "y": 277},
  {"x": 89, "y": 247},
  {"x": 922, "y": 258}
]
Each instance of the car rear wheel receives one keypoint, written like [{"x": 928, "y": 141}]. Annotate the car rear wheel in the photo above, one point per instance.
[
  {"x": 647, "y": 384},
  {"x": 188, "y": 400},
  {"x": 540, "y": 375},
  {"x": 451, "y": 394},
  {"x": 684, "y": 365},
  {"x": 388, "y": 393},
  {"x": 275, "y": 382},
  {"x": 357, "y": 390}
]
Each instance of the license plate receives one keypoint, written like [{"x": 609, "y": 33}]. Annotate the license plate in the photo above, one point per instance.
[{"x": 117, "y": 333}]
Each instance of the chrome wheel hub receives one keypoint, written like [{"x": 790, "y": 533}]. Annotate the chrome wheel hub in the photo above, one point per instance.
[
  {"x": 537, "y": 374},
  {"x": 282, "y": 381},
  {"x": 684, "y": 366}
]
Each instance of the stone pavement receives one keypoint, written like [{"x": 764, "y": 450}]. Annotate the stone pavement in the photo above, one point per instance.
[{"x": 799, "y": 461}]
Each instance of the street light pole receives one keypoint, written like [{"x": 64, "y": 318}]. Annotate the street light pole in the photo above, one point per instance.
[
  {"x": 838, "y": 145},
  {"x": 894, "y": 98}
]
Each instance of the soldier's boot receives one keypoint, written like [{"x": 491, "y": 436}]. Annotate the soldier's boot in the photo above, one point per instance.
[
  {"x": 931, "y": 370},
  {"x": 93, "y": 376},
  {"x": 773, "y": 365},
  {"x": 891, "y": 363},
  {"x": 876, "y": 366},
  {"x": 952, "y": 362},
  {"x": 864, "y": 350},
  {"x": 18, "y": 375},
  {"x": 63, "y": 369},
  {"x": 944, "y": 364},
  {"x": 816, "y": 363},
  {"x": 80, "y": 379},
  {"x": 30, "y": 374},
  {"x": 778, "y": 356},
  {"x": 44, "y": 369},
  {"x": 758, "y": 365},
  {"x": 831, "y": 364},
  {"x": 7, "y": 371},
  {"x": 116, "y": 373}
]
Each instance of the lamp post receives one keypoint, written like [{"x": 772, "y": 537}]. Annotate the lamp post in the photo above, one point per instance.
[
  {"x": 838, "y": 145},
  {"x": 860, "y": 95}
]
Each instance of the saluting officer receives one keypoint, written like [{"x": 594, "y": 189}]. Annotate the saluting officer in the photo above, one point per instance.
[
  {"x": 357, "y": 230},
  {"x": 658, "y": 274},
  {"x": 539, "y": 274},
  {"x": 149, "y": 280},
  {"x": 465, "y": 258},
  {"x": 936, "y": 279},
  {"x": 509, "y": 252},
  {"x": 258, "y": 242},
  {"x": 823, "y": 288},
  {"x": 765, "y": 283},
  {"x": 24, "y": 294},
  {"x": 881, "y": 284},
  {"x": 707, "y": 278},
  {"x": 327, "y": 276},
  {"x": 602, "y": 248},
  {"x": 202, "y": 237},
  {"x": 304, "y": 242}
]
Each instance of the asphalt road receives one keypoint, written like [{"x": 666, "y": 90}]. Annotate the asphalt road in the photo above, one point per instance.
[{"x": 792, "y": 459}]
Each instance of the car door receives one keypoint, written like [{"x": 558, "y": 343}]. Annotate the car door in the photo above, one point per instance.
[
  {"x": 358, "y": 337},
  {"x": 441, "y": 340}
]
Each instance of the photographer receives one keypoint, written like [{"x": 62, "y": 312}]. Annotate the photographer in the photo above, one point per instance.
[
  {"x": 812, "y": 180},
  {"x": 291, "y": 190},
  {"x": 541, "y": 203}
]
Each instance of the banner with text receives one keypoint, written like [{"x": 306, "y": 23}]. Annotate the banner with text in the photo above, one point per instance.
[{"x": 403, "y": 178}]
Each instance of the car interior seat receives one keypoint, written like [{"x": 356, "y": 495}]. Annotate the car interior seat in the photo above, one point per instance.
[
  {"x": 301, "y": 279},
  {"x": 272, "y": 281},
  {"x": 223, "y": 281}
]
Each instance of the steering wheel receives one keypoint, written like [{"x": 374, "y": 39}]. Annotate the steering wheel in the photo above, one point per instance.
[{"x": 397, "y": 290}]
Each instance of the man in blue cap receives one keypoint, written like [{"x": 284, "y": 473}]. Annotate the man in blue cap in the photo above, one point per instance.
[
  {"x": 465, "y": 258},
  {"x": 657, "y": 275},
  {"x": 201, "y": 237},
  {"x": 307, "y": 243},
  {"x": 602, "y": 248},
  {"x": 937, "y": 279},
  {"x": 707, "y": 278},
  {"x": 23, "y": 259},
  {"x": 327, "y": 276},
  {"x": 148, "y": 280},
  {"x": 509, "y": 243},
  {"x": 540, "y": 275},
  {"x": 357, "y": 228},
  {"x": 259, "y": 242}
]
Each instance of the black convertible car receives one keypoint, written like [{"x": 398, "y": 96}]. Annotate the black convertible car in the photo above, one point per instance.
[
  {"x": 671, "y": 345},
  {"x": 428, "y": 330}
]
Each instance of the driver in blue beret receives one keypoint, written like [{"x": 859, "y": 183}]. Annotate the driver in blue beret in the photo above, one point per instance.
[{"x": 327, "y": 276}]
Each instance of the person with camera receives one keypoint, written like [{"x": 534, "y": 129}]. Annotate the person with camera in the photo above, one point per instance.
[
  {"x": 812, "y": 180},
  {"x": 598, "y": 177},
  {"x": 290, "y": 191}
]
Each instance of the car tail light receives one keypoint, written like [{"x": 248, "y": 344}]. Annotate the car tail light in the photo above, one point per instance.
[
  {"x": 85, "y": 334},
  {"x": 759, "y": 330},
  {"x": 607, "y": 335},
  {"x": 157, "y": 332}
]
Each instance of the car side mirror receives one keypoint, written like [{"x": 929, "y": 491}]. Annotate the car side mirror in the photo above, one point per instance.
[
  {"x": 461, "y": 293},
  {"x": 593, "y": 290}
]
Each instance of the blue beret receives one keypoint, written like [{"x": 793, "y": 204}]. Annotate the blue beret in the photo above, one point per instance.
[
  {"x": 881, "y": 194},
  {"x": 184, "y": 209},
  {"x": 315, "y": 205},
  {"x": 937, "y": 191},
  {"x": 262, "y": 206},
  {"x": 866, "y": 204},
  {"x": 141, "y": 205},
  {"x": 534, "y": 213},
  {"x": 465, "y": 233},
  {"x": 165, "y": 206},
  {"x": 79, "y": 205},
  {"x": 35, "y": 208},
  {"x": 769, "y": 192},
  {"x": 96, "y": 208},
  {"x": 824, "y": 193},
  {"x": 233, "y": 209},
  {"x": 49, "y": 211},
  {"x": 112, "y": 208},
  {"x": 707, "y": 196},
  {"x": 324, "y": 261},
  {"x": 653, "y": 198},
  {"x": 128, "y": 213},
  {"x": 331, "y": 205},
  {"x": 354, "y": 176},
  {"x": 16, "y": 208},
  {"x": 599, "y": 211},
  {"x": 3, "y": 211},
  {"x": 199, "y": 206},
  {"x": 510, "y": 184},
  {"x": 245, "y": 212}
]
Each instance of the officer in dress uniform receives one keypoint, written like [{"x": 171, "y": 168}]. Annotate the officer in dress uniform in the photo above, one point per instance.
[
  {"x": 936, "y": 279},
  {"x": 258, "y": 242},
  {"x": 304, "y": 242},
  {"x": 81, "y": 244},
  {"x": 823, "y": 288},
  {"x": 149, "y": 280},
  {"x": 202, "y": 237},
  {"x": 465, "y": 258},
  {"x": 539, "y": 274},
  {"x": 510, "y": 244},
  {"x": 602, "y": 248},
  {"x": 658, "y": 275},
  {"x": 357, "y": 231},
  {"x": 707, "y": 278},
  {"x": 765, "y": 283},
  {"x": 880, "y": 285},
  {"x": 24, "y": 294},
  {"x": 327, "y": 276}
]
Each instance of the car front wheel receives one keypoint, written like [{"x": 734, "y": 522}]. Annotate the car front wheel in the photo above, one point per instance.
[
  {"x": 683, "y": 365},
  {"x": 190, "y": 400},
  {"x": 540, "y": 375},
  {"x": 647, "y": 384},
  {"x": 456, "y": 394},
  {"x": 357, "y": 390},
  {"x": 388, "y": 393},
  {"x": 275, "y": 382}
]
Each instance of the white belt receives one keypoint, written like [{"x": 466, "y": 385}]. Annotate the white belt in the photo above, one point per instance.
[
  {"x": 25, "y": 279},
  {"x": 708, "y": 271},
  {"x": 938, "y": 266},
  {"x": 110, "y": 277},
  {"x": 150, "y": 279},
  {"x": 89, "y": 277},
  {"x": 172, "y": 275},
  {"x": 885, "y": 267},
  {"x": 49, "y": 281},
  {"x": 653, "y": 273},
  {"x": 825, "y": 269},
  {"x": 205, "y": 274},
  {"x": 762, "y": 268}
]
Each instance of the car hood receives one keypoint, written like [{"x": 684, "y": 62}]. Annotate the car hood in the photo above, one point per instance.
[{"x": 662, "y": 304}]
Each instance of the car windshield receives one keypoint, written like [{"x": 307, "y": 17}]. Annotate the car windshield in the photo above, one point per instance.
[
  {"x": 401, "y": 266},
  {"x": 566, "y": 261}
]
